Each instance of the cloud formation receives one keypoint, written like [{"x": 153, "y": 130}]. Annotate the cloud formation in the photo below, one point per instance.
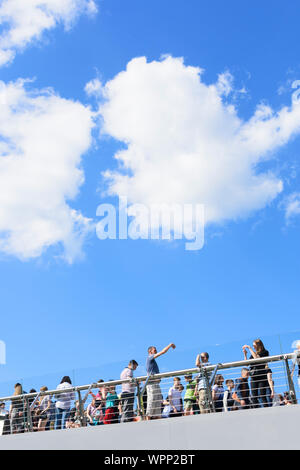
[
  {"x": 291, "y": 206},
  {"x": 42, "y": 139},
  {"x": 185, "y": 142},
  {"x": 24, "y": 21}
]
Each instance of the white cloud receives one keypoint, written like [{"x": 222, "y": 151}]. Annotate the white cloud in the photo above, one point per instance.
[
  {"x": 42, "y": 139},
  {"x": 94, "y": 88},
  {"x": 291, "y": 206},
  {"x": 24, "y": 21},
  {"x": 186, "y": 145}
]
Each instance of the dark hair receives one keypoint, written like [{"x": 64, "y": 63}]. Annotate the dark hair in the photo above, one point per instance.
[
  {"x": 219, "y": 378},
  {"x": 150, "y": 347},
  {"x": 205, "y": 354},
  {"x": 133, "y": 363},
  {"x": 229, "y": 381},
  {"x": 100, "y": 381},
  {"x": 66, "y": 379},
  {"x": 32, "y": 391},
  {"x": 259, "y": 345}
]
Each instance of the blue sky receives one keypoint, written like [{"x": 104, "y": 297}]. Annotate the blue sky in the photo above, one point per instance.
[{"x": 109, "y": 305}]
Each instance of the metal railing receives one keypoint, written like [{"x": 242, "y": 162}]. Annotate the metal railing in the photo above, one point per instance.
[{"x": 146, "y": 386}]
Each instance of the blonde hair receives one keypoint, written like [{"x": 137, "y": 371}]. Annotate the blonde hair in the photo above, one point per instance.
[{"x": 44, "y": 389}]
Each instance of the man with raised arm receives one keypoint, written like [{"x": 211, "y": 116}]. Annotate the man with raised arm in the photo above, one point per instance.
[{"x": 154, "y": 396}]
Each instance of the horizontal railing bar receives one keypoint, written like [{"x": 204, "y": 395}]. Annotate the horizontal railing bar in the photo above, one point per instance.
[{"x": 164, "y": 375}]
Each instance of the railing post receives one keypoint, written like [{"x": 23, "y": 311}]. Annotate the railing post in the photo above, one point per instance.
[
  {"x": 140, "y": 402},
  {"x": 29, "y": 417},
  {"x": 208, "y": 395},
  {"x": 290, "y": 382}
]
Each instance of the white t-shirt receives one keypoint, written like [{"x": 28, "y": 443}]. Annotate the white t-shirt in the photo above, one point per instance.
[
  {"x": 175, "y": 398},
  {"x": 127, "y": 374},
  {"x": 64, "y": 400},
  {"x": 45, "y": 402},
  {"x": 219, "y": 391}
]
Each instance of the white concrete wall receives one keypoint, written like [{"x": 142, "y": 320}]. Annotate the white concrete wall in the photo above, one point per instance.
[{"x": 272, "y": 428}]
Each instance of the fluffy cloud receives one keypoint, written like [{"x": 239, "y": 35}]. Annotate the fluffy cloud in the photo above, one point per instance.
[
  {"x": 25, "y": 20},
  {"x": 186, "y": 144},
  {"x": 94, "y": 88},
  {"x": 42, "y": 139}
]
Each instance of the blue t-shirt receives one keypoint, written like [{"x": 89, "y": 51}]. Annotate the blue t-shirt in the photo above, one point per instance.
[{"x": 151, "y": 365}]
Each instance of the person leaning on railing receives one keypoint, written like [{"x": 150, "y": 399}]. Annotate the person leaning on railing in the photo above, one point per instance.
[
  {"x": 128, "y": 390},
  {"x": 201, "y": 390},
  {"x": 241, "y": 394},
  {"x": 17, "y": 411},
  {"x": 63, "y": 403}
]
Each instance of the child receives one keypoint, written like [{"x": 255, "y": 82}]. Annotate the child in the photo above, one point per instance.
[
  {"x": 111, "y": 407},
  {"x": 189, "y": 397},
  {"x": 228, "y": 400},
  {"x": 175, "y": 398},
  {"x": 167, "y": 408},
  {"x": 218, "y": 393}
]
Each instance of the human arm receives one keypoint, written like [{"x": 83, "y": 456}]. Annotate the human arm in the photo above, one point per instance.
[
  {"x": 225, "y": 401},
  {"x": 48, "y": 405},
  {"x": 270, "y": 382},
  {"x": 164, "y": 351},
  {"x": 245, "y": 352}
]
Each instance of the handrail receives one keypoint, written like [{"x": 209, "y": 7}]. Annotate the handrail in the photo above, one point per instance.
[{"x": 164, "y": 375}]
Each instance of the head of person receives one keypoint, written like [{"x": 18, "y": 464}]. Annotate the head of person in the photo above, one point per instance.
[
  {"x": 152, "y": 350},
  {"x": 287, "y": 398},
  {"x": 32, "y": 390},
  {"x": 298, "y": 345},
  {"x": 44, "y": 389},
  {"x": 177, "y": 382},
  {"x": 258, "y": 345},
  {"x": 66, "y": 380},
  {"x": 245, "y": 373},
  {"x": 2, "y": 405},
  {"x": 100, "y": 381},
  {"x": 18, "y": 389},
  {"x": 133, "y": 364},
  {"x": 181, "y": 388},
  {"x": 188, "y": 378},
  {"x": 219, "y": 380},
  {"x": 204, "y": 356},
  {"x": 111, "y": 388},
  {"x": 230, "y": 384}
]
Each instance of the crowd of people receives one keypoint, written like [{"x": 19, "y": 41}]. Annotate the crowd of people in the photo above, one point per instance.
[{"x": 201, "y": 393}]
